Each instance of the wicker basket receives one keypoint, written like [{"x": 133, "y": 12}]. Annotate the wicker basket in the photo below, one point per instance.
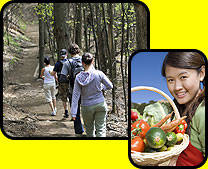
[{"x": 159, "y": 158}]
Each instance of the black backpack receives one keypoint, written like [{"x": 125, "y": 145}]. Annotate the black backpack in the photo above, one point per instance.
[
  {"x": 76, "y": 67},
  {"x": 59, "y": 69}
]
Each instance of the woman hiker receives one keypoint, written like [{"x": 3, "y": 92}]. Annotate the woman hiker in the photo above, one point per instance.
[
  {"x": 49, "y": 85},
  {"x": 89, "y": 84}
]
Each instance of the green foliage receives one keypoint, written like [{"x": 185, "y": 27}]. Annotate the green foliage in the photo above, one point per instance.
[
  {"x": 22, "y": 24},
  {"x": 15, "y": 43},
  {"x": 13, "y": 60},
  {"x": 140, "y": 106},
  {"x": 70, "y": 22},
  {"x": 154, "y": 112},
  {"x": 45, "y": 10},
  {"x": 12, "y": 40}
]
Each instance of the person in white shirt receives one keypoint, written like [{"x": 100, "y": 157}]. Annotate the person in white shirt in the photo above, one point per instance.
[{"x": 49, "y": 85}]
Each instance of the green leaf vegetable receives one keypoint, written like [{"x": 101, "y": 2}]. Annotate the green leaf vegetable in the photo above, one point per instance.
[{"x": 153, "y": 113}]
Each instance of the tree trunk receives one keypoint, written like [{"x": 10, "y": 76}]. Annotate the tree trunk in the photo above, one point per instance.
[
  {"x": 61, "y": 28},
  {"x": 112, "y": 53},
  {"x": 105, "y": 40},
  {"x": 78, "y": 26},
  {"x": 127, "y": 43},
  {"x": 45, "y": 34},
  {"x": 41, "y": 44},
  {"x": 102, "y": 64},
  {"x": 141, "y": 26},
  {"x": 93, "y": 30},
  {"x": 85, "y": 28},
  {"x": 122, "y": 71}
]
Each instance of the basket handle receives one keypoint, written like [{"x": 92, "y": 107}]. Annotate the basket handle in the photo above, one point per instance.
[{"x": 161, "y": 93}]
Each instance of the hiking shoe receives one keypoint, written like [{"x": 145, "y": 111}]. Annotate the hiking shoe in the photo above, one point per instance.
[
  {"x": 66, "y": 115},
  {"x": 81, "y": 135},
  {"x": 53, "y": 113}
]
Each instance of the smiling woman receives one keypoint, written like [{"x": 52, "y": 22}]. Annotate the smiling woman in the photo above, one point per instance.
[{"x": 184, "y": 72}]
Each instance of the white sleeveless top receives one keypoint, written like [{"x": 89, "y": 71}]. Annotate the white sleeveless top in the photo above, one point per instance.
[{"x": 48, "y": 78}]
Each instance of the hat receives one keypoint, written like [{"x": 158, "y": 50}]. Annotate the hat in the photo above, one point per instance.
[{"x": 63, "y": 52}]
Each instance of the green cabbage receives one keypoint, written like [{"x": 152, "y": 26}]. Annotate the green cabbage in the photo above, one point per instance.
[{"x": 153, "y": 113}]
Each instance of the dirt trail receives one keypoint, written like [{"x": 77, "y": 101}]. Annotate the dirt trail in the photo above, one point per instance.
[{"x": 24, "y": 91}]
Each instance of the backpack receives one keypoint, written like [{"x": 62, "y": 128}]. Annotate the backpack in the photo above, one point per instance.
[
  {"x": 76, "y": 67},
  {"x": 60, "y": 68}
]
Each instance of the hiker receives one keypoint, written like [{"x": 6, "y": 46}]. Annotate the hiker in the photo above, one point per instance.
[
  {"x": 63, "y": 88},
  {"x": 89, "y": 84},
  {"x": 69, "y": 70},
  {"x": 49, "y": 85},
  {"x": 185, "y": 76}
]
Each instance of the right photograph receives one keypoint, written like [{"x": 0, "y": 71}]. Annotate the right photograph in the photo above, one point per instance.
[{"x": 167, "y": 108}]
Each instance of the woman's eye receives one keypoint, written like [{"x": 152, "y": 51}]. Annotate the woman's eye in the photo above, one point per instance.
[
  {"x": 183, "y": 77},
  {"x": 169, "y": 80}
]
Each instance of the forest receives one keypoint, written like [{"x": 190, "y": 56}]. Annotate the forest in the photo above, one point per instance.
[{"x": 110, "y": 31}]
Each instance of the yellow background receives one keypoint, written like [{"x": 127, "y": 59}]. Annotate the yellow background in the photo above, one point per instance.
[{"x": 173, "y": 25}]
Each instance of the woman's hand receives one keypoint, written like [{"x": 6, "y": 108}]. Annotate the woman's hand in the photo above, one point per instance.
[{"x": 73, "y": 118}]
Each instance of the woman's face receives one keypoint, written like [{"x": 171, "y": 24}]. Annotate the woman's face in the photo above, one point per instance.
[{"x": 183, "y": 84}]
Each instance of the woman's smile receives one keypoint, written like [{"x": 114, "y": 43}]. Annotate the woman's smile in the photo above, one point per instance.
[{"x": 181, "y": 95}]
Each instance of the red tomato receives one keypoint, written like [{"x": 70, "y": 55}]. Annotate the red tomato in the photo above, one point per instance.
[
  {"x": 140, "y": 128},
  {"x": 134, "y": 115},
  {"x": 137, "y": 144}
]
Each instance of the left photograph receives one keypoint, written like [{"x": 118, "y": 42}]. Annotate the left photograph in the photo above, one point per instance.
[{"x": 65, "y": 68}]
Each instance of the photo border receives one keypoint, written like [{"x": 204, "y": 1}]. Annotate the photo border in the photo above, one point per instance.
[
  {"x": 67, "y": 138},
  {"x": 129, "y": 103}
]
